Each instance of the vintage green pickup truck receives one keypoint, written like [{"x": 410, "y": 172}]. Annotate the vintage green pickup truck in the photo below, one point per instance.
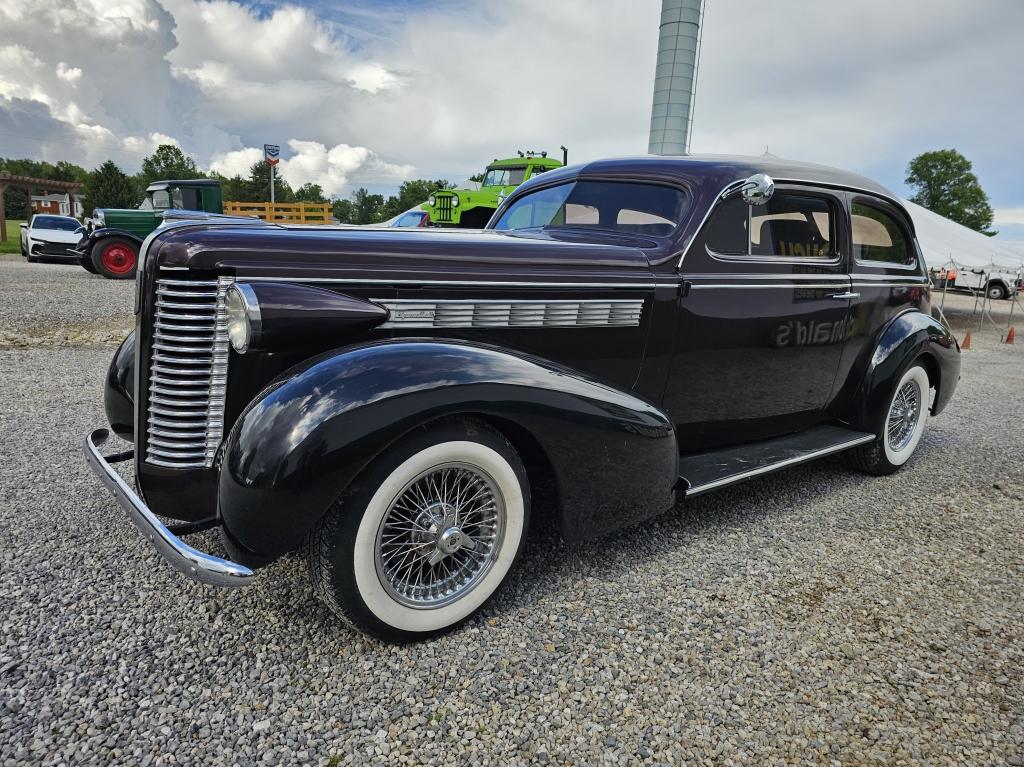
[
  {"x": 112, "y": 238},
  {"x": 473, "y": 208}
]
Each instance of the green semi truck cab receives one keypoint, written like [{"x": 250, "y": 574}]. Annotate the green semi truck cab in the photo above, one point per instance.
[
  {"x": 113, "y": 236},
  {"x": 473, "y": 208}
]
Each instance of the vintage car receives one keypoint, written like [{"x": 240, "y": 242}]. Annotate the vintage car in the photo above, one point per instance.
[
  {"x": 109, "y": 244},
  {"x": 625, "y": 335},
  {"x": 472, "y": 208}
]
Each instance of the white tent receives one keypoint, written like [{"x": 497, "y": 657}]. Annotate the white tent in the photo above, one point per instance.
[{"x": 944, "y": 242}]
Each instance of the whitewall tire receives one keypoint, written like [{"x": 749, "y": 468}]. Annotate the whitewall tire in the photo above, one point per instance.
[
  {"x": 427, "y": 535},
  {"x": 906, "y": 415}
]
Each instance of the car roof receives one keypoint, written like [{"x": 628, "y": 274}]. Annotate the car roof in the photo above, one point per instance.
[
  {"x": 726, "y": 169},
  {"x": 518, "y": 162},
  {"x": 157, "y": 185}
]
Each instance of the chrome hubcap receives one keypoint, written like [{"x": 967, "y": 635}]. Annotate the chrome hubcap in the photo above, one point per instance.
[
  {"x": 903, "y": 415},
  {"x": 440, "y": 536}
]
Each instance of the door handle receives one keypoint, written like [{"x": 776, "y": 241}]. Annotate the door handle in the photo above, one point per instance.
[{"x": 845, "y": 296}]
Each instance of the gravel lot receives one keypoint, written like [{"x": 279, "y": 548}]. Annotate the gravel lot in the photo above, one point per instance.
[{"x": 816, "y": 616}]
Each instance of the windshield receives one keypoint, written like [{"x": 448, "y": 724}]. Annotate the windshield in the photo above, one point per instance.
[
  {"x": 160, "y": 199},
  {"x": 504, "y": 176},
  {"x": 55, "y": 222},
  {"x": 648, "y": 209},
  {"x": 410, "y": 219}
]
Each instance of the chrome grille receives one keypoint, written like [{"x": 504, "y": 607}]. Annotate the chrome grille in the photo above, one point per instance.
[
  {"x": 187, "y": 373},
  {"x": 410, "y": 313}
]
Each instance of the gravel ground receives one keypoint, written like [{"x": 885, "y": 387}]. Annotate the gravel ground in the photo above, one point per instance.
[{"x": 816, "y": 616}]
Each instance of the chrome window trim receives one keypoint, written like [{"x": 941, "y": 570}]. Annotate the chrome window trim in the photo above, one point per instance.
[
  {"x": 824, "y": 184},
  {"x": 462, "y": 283}
]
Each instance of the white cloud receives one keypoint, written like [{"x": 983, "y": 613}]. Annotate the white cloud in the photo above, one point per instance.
[
  {"x": 312, "y": 162},
  {"x": 1008, "y": 216},
  {"x": 441, "y": 90},
  {"x": 71, "y": 74}
]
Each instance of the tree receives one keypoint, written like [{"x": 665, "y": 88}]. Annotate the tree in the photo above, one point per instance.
[
  {"x": 17, "y": 199},
  {"x": 366, "y": 207},
  {"x": 310, "y": 192},
  {"x": 109, "y": 187},
  {"x": 167, "y": 162},
  {"x": 412, "y": 193},
  {"x": 259, "y": 185},
  {"x": 944, "y": 183},
  {"x": 344, "y": 211}
]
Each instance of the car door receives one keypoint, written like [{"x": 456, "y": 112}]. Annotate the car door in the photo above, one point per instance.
[{"x": 762, "y": 321}]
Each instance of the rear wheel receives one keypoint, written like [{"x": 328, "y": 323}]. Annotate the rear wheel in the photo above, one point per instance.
[
  {"x": 116, "y": 258},
  {"x": 905, "y": 418},
  {"x": 426, "y": 536}
]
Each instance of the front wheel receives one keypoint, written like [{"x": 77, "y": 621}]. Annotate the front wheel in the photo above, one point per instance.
[
  {"x": 116, "y": 258},
  {"x": 426, "y": 536},
  {"x": 906, "y": 415},
  {"x": 996, "y": 291}
]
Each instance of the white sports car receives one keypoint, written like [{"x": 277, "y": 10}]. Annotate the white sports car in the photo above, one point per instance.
[{"x": 47, "y": 238}]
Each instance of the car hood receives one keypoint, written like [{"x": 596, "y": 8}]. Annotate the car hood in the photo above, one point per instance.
[{"x": 408, "y": 254}]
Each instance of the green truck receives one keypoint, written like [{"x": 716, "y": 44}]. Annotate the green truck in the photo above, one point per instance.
[
  {"x": 473, "y": 208},
  {"x": 112, "y": 237}
]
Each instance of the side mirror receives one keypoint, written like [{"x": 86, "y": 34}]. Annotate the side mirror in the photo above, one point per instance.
[{"x": 757, "y": 189}]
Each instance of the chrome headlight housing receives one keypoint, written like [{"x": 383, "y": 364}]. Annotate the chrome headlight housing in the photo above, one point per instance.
[
  {"x": 244, "y": 321},
  {"x": 431, "y": 200},
  {"x": 98, "y": 219},
  {"x": 455, "y": 201}
]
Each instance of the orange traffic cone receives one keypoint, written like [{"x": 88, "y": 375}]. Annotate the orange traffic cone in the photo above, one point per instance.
[
  {"x": 1010, "y": 335},
  {"x": 967, "y": 341}
]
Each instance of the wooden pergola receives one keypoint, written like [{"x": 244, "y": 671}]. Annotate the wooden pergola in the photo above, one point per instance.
[{"x": 30, "y": 184}]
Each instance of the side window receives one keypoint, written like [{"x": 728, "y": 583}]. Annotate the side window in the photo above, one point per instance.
[
  {"x": 787, "y": 226},
  {"x": 878, "y": 237}
]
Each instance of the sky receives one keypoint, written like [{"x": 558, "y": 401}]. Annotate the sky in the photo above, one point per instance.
[{"x": 362, "y": 93}]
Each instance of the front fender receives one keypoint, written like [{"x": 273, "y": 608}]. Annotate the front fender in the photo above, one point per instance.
[
  {"x": 907, "y": 337},
  {"x": 90, "y": 239},
  {"x": 308, "y": 435},
  {"x": 119, "y": 390}
]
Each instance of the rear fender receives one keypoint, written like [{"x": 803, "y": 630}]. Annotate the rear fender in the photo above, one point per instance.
[
  {"x": 908, "y": 337},
  {"x": 301, "y": 441}
]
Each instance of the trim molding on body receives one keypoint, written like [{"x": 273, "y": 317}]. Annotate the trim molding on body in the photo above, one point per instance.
[
  {"x": 516, "y": 313},
  {"x": 465, "y": 283}
]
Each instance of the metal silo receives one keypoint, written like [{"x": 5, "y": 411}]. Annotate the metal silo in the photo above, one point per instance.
[{"x": 674, "y": 76}]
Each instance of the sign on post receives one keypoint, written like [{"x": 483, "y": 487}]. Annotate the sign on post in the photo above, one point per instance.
[{"x": 271, "y": 155}]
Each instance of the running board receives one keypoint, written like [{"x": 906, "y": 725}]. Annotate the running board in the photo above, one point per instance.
[{"x": 702, "y": 472}]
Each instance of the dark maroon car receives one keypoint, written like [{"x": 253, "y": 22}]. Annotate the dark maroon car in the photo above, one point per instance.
[{"x": 623, "y": 336}]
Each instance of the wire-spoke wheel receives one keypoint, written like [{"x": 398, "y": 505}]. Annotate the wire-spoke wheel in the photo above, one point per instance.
[
  {"x": 440, "y": 535},
  {"x": 427, "y": 535},
  {"x": 905, "y": 417}
]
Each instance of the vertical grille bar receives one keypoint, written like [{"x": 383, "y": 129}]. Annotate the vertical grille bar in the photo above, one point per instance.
[
  {"x": 188, "y": 372},
  {"x": 444, "y": 206}
]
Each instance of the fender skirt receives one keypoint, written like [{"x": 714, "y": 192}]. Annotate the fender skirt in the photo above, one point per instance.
[
  {"x": 907, "y": 337},
  {"x": 303, "y": 439}
]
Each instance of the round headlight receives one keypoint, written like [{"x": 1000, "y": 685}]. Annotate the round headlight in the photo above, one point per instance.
[
  {"x": 243, "y": 311},
  {"x": 431, "y": 200},
  {"x": 455, "y": 201},
  {"x": 99, "y": 219}
]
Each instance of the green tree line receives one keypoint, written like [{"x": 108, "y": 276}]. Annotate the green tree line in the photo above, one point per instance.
[{"x": 110, "y": 187}]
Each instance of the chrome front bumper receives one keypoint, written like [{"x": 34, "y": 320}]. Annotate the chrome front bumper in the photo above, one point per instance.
[{"x": 198, "y": 566}]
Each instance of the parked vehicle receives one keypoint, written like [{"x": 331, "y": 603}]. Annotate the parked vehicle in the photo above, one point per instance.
[
  {"x": 49, "y": 238},
  {"x": 112, "y": 238},
  {"x": 415, "y": 218},
  {"x": 473, "y": 208},
  {"x": 626, "y": 335},
  {"x": 997, "y": 284}
]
